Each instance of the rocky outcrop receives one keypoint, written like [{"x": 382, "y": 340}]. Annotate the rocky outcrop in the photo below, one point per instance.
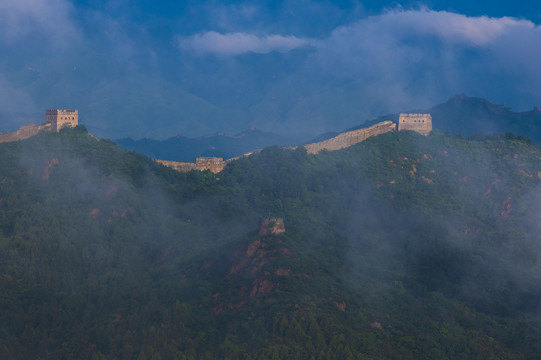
[{"x": 270, "y": 226}]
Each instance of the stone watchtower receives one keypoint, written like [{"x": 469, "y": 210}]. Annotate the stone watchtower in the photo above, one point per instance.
[
  {"x": 60, "y": 118},
  {"x": 421, "y": 123}
]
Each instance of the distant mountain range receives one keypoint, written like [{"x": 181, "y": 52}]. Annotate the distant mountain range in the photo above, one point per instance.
[
  {"x": 461, "y": 114},
  {"x": 182, "y": 148}
]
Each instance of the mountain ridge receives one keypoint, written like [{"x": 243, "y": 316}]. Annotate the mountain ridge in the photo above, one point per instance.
[
  {"x": 461, "y": 114},
  {"x": 181, "y": 148},
  {"x": 399, "y": 246}
]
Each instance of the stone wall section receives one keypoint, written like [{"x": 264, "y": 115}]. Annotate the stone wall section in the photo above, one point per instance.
[
  {"x": 177, "y": 165},
  {"x": 228, "y": 161},
  {"x": 213, "y": 164},
  {"x": 24, "y": 132},
  {"x": 350, "y": 138}
]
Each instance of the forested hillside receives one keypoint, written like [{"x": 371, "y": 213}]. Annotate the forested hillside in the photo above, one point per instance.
[{"x": 400, "y": 247}]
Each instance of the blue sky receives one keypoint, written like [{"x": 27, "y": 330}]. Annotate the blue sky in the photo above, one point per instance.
[{"x": 158, "y": 68}]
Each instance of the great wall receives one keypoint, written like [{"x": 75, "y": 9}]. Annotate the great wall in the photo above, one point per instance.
[
  {"x": 214, "y": 164},
  {"x": 350, "y": 138},
  {"x": 24, "y": 132},
  {"x": 56, "y": 119},
  {"x": 421, "y": 123}
]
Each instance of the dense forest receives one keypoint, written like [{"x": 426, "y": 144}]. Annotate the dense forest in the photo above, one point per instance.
[{"x": 400, "y": 247}]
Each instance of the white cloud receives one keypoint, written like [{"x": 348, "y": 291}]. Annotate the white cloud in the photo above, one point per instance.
[
  {"x": 421, "y": 29},
  {"x": 21, "y": 18},
  {"x": 422, "y": 57},
  {"x": 452, "y": 27},
  {"x": 238, "y": 43}
]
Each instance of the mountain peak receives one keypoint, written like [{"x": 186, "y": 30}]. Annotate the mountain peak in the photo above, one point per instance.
[{"x": 462, "y": 99}]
